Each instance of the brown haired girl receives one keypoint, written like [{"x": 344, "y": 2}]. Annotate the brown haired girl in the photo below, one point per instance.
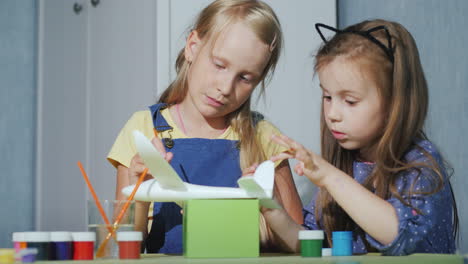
[{"x": 378, "y": 176}]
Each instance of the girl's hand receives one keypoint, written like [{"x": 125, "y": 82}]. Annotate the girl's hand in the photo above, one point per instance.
[
  {"x": 310, "y": 164},
  {"x": 137, "y": 165},
  {"x": 250, "y": 170}
]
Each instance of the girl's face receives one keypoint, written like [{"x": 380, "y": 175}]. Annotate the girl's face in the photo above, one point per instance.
[
  {"x": 352, "y": 106},
  {"x": 222, "y": 76}
]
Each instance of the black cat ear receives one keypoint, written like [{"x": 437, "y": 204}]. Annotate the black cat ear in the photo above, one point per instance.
[
  {"x": 389, "y": 48},
  {"x": 320, "y": 25}
]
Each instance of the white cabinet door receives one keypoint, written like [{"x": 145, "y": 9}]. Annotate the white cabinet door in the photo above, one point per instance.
[
  {"x": 121, "y": 60},
  {"x": 96, "y": 67},
  {"x": 61, "y": 123}
]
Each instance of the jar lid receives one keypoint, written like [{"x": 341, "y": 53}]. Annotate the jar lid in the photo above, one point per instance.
[
  {"x": 6, "y": 252},
  {"x": 18, "y": 236},
  {"x": 84, "y": 236},
  {"x": 326, "y": 252},
  {"x": 310, "y": 234},
  {"x": 129, "y": 236},
  {"x": 7, "y": 255},
  {"x": 36, "y": 236},
  {"x": 342, "y": 235},
  {"x": 60, "y": 236}
]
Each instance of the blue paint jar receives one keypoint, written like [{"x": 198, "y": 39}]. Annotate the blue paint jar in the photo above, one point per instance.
[
  {"x": 342, "y": 243},
  {"x": 61, "y": 245}
]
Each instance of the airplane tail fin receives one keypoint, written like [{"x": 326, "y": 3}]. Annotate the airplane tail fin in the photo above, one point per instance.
[{"x": 261, "y": 184}]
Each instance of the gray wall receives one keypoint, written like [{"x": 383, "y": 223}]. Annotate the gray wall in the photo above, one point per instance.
[
  {"x": 17, "y": 116},
  {"x": 440, "y": 30}
]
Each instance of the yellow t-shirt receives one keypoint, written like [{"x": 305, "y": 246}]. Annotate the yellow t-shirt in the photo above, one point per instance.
[{"x": 124, "y": 149}]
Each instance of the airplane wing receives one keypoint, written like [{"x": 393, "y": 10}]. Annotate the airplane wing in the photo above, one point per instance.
[
  {"x": 260, "y": 185},
  {"x": 252, "y": 188},
  {"x": 160, "y": 169}
]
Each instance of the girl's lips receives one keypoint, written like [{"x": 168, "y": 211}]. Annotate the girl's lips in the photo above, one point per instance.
[
  {"x": 338, "y": 135},
  {"x": 213, "y": 102}
]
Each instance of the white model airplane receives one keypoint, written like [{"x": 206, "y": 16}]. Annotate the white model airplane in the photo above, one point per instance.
[{"x": 167, "y": 186}]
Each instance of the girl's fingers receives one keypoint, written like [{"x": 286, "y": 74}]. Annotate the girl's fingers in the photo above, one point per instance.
[
  {"x": 309, "y": 174},
  {"x": 169, "y": 156},
  {"x": 278, "y": 139},
  {"x": 285, "y": 142},
  {"x": 281, "y": 156},
  {"x": 135, "y": 171},
  {"x": 307, "y": 157},
  {"x": 250, "y": 170},
  {"x": 292, "y": 145},
  {"x": 298, "y": 169}
]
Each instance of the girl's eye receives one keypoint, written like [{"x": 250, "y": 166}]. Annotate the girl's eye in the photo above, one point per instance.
[
  {"x": 327, "y": 98},
  {"x": 219, "y": 66},
  {"x": 245, "y": 79},
  {"x": 351, "y": 102}
]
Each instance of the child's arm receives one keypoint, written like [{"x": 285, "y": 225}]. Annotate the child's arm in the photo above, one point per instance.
[
  {"x": 283, "y": 228},
  {"x": 128, "y": 176},
  {"x": 286, "y": 193},
  {"x": 374, "y": 215}
]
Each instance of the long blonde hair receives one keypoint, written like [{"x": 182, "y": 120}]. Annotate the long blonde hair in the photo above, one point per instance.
[
  {"x": 398, "y": 74},
  {"x": 212, "y": 20}
]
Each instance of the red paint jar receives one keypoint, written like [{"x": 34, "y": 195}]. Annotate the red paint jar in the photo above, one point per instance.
[
  {"x": 83, "y": 245},
  {"x": 129, "y": 244}
]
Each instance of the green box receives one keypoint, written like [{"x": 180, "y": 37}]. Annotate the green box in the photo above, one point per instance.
[{"x": 221, "y": 228}]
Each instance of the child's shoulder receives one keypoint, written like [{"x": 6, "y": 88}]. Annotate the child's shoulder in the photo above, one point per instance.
[
  {"x": 420, "y": 150},
  {"x": 262, "y": 124}
]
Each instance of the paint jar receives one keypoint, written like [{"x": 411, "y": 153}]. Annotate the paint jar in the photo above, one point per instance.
[
  {"x": 96, "y": 224},
  {"x": 61, "y": 245},
  {"x": 311, "y": 242},
  {"x": 7, "y": 255},
  {"x": 129, "y": 244},
  {"x": 83, "y": 245},
  {"x": 342, "y": 243},
  {"x": 41, "y": 241},
  {"x": 28, "y": 255},
  {"x": 18, "y": 243}
]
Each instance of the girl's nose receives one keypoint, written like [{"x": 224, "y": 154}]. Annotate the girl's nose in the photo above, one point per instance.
[
  {"x": 226, "y": 84},
  {"x": 334, "y": 114}
]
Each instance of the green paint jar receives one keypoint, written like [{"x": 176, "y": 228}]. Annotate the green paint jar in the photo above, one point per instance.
[{"x": 311, "y": 243}]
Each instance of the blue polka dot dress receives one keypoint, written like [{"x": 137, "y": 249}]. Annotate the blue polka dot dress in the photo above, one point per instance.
[{"x": 428, "y": 232}]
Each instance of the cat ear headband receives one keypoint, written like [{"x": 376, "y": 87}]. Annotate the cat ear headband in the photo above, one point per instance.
[{"x": 389, "y": 49}]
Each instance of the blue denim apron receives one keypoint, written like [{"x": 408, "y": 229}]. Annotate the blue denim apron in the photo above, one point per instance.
[{"x": 213, "y": 162}]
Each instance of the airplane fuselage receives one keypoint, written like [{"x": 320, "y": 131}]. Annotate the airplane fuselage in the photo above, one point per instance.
[{"x": 151, "y": 191}]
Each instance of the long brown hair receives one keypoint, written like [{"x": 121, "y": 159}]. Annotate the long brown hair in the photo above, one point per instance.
[
  {"x": 404, "y": 92},
  {"x": 212, "y": 20}
]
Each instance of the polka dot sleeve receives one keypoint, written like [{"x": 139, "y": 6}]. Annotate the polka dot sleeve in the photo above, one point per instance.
[
  {"x": 309, "y": 214},
  {"x": 426, "y": 225}
]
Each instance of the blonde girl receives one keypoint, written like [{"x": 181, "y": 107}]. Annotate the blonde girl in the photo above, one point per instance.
[{"x": 204, "y": 120}]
